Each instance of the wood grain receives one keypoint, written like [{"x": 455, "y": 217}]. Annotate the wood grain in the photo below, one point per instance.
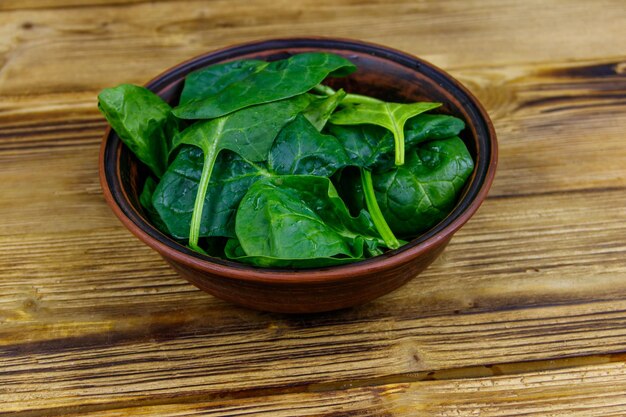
[
  {"x": 134, "y": 41},
  {"x": 588, "y": 391},
  {"x": 92, "y": 321}
]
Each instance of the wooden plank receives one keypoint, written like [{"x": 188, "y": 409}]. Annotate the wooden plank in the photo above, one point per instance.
[
  {"x": 587, "y": 391},
  {"x": 65, "y": 4},
  {"x": 560, "y": 127},
  {"x": 133, "y": 42}
]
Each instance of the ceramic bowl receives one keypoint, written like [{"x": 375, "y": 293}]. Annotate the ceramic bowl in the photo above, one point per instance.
[{"x": 382, "y": 72}]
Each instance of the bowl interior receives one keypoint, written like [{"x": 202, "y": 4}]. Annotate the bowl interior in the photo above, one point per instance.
[{"x": 383, "y": 73}]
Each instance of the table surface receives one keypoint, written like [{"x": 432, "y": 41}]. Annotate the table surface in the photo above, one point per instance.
[{"x": 524, "y": 314}]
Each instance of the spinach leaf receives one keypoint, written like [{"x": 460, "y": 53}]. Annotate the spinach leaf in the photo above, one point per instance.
[
  {"x": 142, "y": 121},
  {"x": 175, "y": 195},
  {"x": 145, "y": 198},
  {"x": 431, "y": 126},
  {"x": 300, "y": 149},
  {"x": 235, "y": 252},
  {"x": 391, "y": 116},
  {"x": 211, "y": 80},
  {"x": 249, "y": 132},
  {"x": 320, "y": 110},
  {"x": 367, "y": 146},
  {"x": 371, "y": 147},
  {"x": 418, "y": 195},
  {"x": 278, "y": 80},
  {"x": 300, "y": 217},
  {"x": 275, "y": 221}
]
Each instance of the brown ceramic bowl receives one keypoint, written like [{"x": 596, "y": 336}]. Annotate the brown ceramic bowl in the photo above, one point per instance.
[{"x": 382, "y": 72}]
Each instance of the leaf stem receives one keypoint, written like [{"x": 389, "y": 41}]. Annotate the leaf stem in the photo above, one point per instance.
[
  {"x": 198, "y": 206},
  {"x": 360, "y": 99},
  {"x": 398, "y": 137},
  {"x": 349, "y": 98},
  {"x": 374, "y": 210},
  {"x": 324, "y": 89}
]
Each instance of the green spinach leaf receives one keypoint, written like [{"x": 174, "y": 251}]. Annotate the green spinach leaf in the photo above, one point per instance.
[
  {"x": 235, "y": 252},
  {"x": 372, "y": 147},
  {"x": 175, "y": 195},
  {"x": 391, "y": 116},
  {"x": 209, "y": 81},
  {"x": 431, "y": 126},
  {"x": 142, "y": 121},
  {"x": 300, "y": 217},
  {"x": 300, "y": 149},
  {"x": 367, "y": 146},
  {"x": 249, "y": 132},
  {"x": 418, "y": 195},
  {"x": 278, "y": 80},
  {"x": 320, "y": 110}
]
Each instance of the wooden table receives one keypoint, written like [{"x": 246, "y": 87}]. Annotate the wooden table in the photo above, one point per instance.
[{"x": 524, "y": 314}]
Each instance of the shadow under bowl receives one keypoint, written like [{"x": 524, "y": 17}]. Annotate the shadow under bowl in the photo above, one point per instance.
[{"x": 383, "y": 73}]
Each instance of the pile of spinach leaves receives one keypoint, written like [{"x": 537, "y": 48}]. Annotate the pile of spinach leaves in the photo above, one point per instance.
[{"x": 263, "y": 164}]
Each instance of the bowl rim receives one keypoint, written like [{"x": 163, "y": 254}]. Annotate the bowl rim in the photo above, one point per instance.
[{"x": 171, "y": 250}]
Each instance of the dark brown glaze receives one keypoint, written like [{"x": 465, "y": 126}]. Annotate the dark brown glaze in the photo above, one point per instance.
[{"x": 383, "y": 73}]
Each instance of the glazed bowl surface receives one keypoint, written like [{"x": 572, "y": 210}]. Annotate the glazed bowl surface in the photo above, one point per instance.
[{"x": 383, "y": 73}]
